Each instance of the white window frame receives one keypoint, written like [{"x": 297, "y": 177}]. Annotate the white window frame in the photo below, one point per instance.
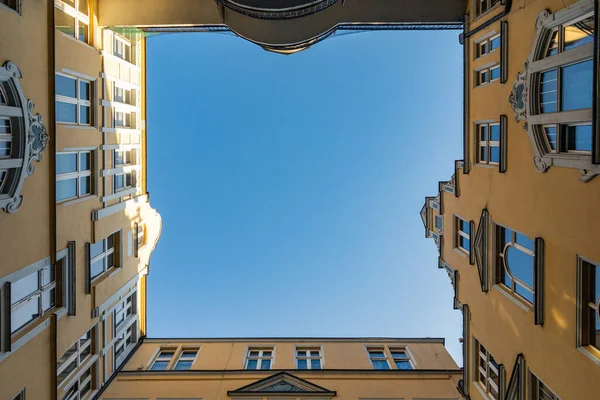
[
  {"x": 407, "y": 356},
  {"x": 459, "y": 233},
  {"x": 126, "y": 92},
  {"x": 157, "y": 358},
  {"x": 78, "y": 101},
  {"x": 129, "y": 175},
  {"x": 78, "y": 174},
  {"x": 186, "y": 358},
  {"x": 485, "y": 371},
  {"x": 128, "y": 155},
  {"x": 260, "y": 357},
  {"x": 127, "y": 333},
  {"x": 124, "y": 117},
  {"x": 490, "y": 5},
  {"x": 80, "y": 383},
  {"x": 487, "y": 42},
  {"x": 104, "y": 256},
  {"x": 487, "y": 70},
  {"x": 77, "y": 15},
  {"x": 375, "y": 358},
  {"x": 79, "y": 348},
  {"x": 37, "y": 295},
  {"x": 141, "y": 235},
  {"x": 120, "y": 40},
  {"x": 488, "y": 143},
  {"x": 308, "y": 357},
  {"x": 128, "y": 308}
]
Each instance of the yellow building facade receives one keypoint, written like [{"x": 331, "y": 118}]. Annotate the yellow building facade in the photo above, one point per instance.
[{"x": 515, "y": 227}]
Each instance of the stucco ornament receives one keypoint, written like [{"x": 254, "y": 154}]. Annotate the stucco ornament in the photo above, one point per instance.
[
  {"x": 519, "y": 96},
  {"x": 29, "y": 138}
]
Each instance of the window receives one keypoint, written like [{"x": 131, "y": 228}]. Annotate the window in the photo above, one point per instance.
[
  {"x": 569, "y": 138},
  {"x": 15, "y": 5},
  {"x": 161, "y": 362},
  {"x": 488, "y": 136},
  {"x": 20, "y": 396},
  {"x": 124, "y": 309},
  {"x": 74, "y": 357},
  {"x": 32, "y": 297},
  {"x": 123, "y": 181},
  {"x": 571, "y": 35},
  {"x": 123, "y": 95},
  {"x": 186, "y": 359},
  {"x": 515, "y": 260},
  {"x": 73, "y": 100},
  {"x": 589, "y": 304},
  {"x": 259, "y": 358},
  {"x": 141, "y": 235},
  {"x": 573, "y": 91},
  {"x": 72, "y": 18},
  {"x": 5, "y": 138},
  {"x": 439, "y": 222},
  {"x": 539, "y": 391},
  {"x": 487, "y": 45},
  {"x": 73, "y": 175},
  {"x": 123, "y": 119},
  {"x": 487, "y": 75},
  {"x": 125, "y": 341},
  {"x": 102, "y": 255},
  {"x": 401, "y": 359},
  {"x": 485, "y": 5},
  {"x": 124, "y": 157},
  {"x": 82, "y": 386},
  {"x": 378, "y": 358},
  {"x": 463, "y": 235},
  {"x": 122, "y": 48},
  {"x": 308, "y": 358},
  {"x": 486, "y": 371}
]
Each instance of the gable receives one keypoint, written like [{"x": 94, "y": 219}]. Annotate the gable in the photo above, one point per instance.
[{"x": 282, "y": 384}]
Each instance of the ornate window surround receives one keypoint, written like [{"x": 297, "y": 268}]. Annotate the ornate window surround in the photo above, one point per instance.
[
  {"x": 525, "y": 93},
  {"x": 29, "y": 138}
]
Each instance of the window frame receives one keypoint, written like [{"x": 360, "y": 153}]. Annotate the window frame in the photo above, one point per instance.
[
  {"x": 125, "y": 43},
  {"x": 78, "y": 16},
  {"x": 488, "y": 143},
  {"x": 128, "y": 155},
  {"x": 308, "y": 357},
  {"x": 126, "y": 176},
  {"x": 128, "y": 119},
  {"x": 490, "y": 5},
  {"x": 586, "y": 320},
  {"x": 485, "y": 371},
  {"x": 103, "y": 255},
  {"x": 156, "y": 358},
  {"x": 78, "y": 101},
  {"x": 259, "y": 358},
  {"x": 81, "y": 383},
  {"x": 78, "y": 175},
  {"x": 487, "y": 69},
  {"x": 458, "y": 233},
  {"x": 372, "y": 358},
  {"x": 76, "y": 356},
  {"x": 14, "y": 6},
  {"x": 406, "y": 358},
  {"x": 536, "y": 385},
  {"x": 487, "y": 42},
  {"x": 181, "y": 358}
]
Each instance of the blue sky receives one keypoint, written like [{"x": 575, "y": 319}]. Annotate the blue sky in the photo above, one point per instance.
[{"x": 290, "y": 186}]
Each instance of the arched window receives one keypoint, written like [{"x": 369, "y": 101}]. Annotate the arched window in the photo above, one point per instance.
[
  {"x": 23, "y": 138},
  {"x": 554, "y": 94}
]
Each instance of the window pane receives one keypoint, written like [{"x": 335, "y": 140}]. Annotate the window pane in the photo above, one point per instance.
[
  {"x": 266, "y": 364},
  {"x": 48, "y": 299},
  {"x": 110, "y": 260},
  {"x": 96, "y": 248},
  {"x": 5, "y": 149},
  {"x": 524, "y": 292},
  {"x": 465, "y": 243},
  {"x": 551, "y": 136},
  {"x": 495, "y": 133},
  {"x": 578, "y": 137},
  {"x": 252, "y": 364},
  {"x": 118, "y": 182},
  {"x": 188, "y": 354},
  {"x": 86, "y": 389},
  {"x": 84, "y": 115},
  {"x": 403, "y": 365},
  {"x": 165, "y": 355},
  {"x": 66, "y": 86},
  {"x": 24, "y": 314},
  {"x": 66, "y": 163},
  {"x": 398, "y": 354},
  {"x": 483, "y": 153},
  {"x": 579, "y": 33},
  {"x": 83, "y": 6},
  {"x": 376, "y": 354},
  {"x": 83, "y": 32},
  {"x": 266, "y": 354},
  {"x": 67, "y": 371},
  {"x": 84, "y": 353},
  {"x": 483, "y": 77},
  {"x": 465, "y": 226},
  {"x": 84, "y": 186},
  {"x": 520, "y": 265},
  {"x": 183, "y": 365},
  {"x": 525, "y": 241},
  {"x": 66, "y": 112},
  {"x": 66, "y": 189},
  {"x": 483, "y": 132},
  {"x": 315, "y": 364},
  {"x": 495, "y": 43},
  {"x": 576, "y": 86},
  {"x": 47, "y": 275},
  {"x": 64, "y": 22},
  {"x": 302, "y": 364},
  {"x": 548, "y": 91},
  {"x": 483, "y": 49},
  {"x": 159, "y": 366},
  {"x": 495, "y": 154},
  {"x": 97, "y": 268},
  {"x": 4, "y": 125},
  {"x": 24, "y": 287},
  {"x": 380, "y": 364},
  {"x": 84, "y": 161},
  {"x": 84, "y": 90},
  {"x": 552, "y": 45},
  {"x": 495, "y": 73},
  {"x": 118, "y": 158}
]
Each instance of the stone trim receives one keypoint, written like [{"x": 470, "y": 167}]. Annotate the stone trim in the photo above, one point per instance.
[{"x": 481, "y": 248}]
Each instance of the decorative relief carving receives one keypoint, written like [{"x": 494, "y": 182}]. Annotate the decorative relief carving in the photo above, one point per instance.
[{"x": 519, "y": 96}]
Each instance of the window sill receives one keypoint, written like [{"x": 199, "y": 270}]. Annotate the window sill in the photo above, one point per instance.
[
  {"x": 7, "y": 8},
  {"x": 491, "y": 166},
  {"x": 486, "y": 54},
  {"x": 75, "y": 126},
  {"x": 519, "y": 303},
  {"x": 487, "y": 83},
  {"x": 590, "y": 353},
  {"x": 461, "y": 252},
  {"x": 75, "y": 40},
  {"x": 79, "y": 200}
]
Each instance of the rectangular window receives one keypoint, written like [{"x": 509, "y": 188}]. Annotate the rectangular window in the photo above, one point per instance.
[
  {"x": 125, "y": 341},
  {"x": 141, "y": 235},
  {"x": 82, "y": 386},
  {"x": 5, "y": 138},
  {"x": 72, "y": 18},
  {"x": 32, "y": 297},
  {"x": 73, "y": 100},
  {"x": 74, "y": 357},
  {"x": 123, "y": 181},
  {"x": 378, "y": 358},
  {"x": 401, "y": 359},
  {"x": 122, "y": 48},
  {"x": 589, "y": 304},
  {"x": 122, "y": 95},
  {"x": 515, "y": 261},
  {"x": 569, "y": 138},
  {"x": 20, "y": 396},
  {"x": 488, "y": 137},
  {"x": 463, "y": 234},
  {"x": 486, "y": 371},
  {"x": 571, "y": 35},
  {"x": 485, "y": 5},
  {"x": 539, "y": 391},
  {"x": 124, "y": 310},
  {"x": 259, "y": 358},
  {"x": 15, "y": 5},
  {"x": 439, "y": 222},
  {"x": 124, "y": 157},
  {"x": 186, "y": 359},
  {"x": 161, "y": 362},
  {"x": 73, "y": 175},
  {"x": 487, "y": 45},
  {"x": 487, "y": 75},
  {"x": 103, "y": 255},
  {"x": 573, "y": 91},
  {"x": 123, "y": 119},
  {"x": 309, "y": 358}
]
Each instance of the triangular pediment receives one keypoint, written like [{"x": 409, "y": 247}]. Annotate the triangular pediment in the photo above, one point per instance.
[{"x": 282, "y": 384}]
